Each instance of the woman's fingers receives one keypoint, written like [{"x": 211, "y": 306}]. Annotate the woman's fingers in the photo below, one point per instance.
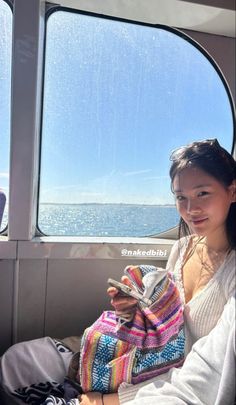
[
  {"x": 112, "y": 291},
  {"x": 123, "y": 303},
  {"x": 125, "y": 280},
  {"x": 120, "y": 301}
]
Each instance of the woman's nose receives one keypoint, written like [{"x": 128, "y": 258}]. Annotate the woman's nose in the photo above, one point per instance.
[{"x": 192, "y": 207}]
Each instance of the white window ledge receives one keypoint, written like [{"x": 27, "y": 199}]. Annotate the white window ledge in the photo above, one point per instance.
[{"x": 87, "y": 248}]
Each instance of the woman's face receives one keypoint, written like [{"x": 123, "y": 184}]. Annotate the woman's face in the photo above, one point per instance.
[{"x": 202, "y": 201}]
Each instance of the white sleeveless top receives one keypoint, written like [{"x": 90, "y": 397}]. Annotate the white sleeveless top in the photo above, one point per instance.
[{"x": 202, "y": 312}]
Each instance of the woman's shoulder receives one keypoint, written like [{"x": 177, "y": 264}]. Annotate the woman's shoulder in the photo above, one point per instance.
[
  {"x": 228, "y": 275},
  {"x": 229, "y": 265},
  {"x": 181, "y": 244},
  {"x": 177, "y": 252}
]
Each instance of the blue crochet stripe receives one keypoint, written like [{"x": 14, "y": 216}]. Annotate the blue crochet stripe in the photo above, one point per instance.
[
  {"x": 172, "y": 351},
  {"x": 101, "y": 373}
]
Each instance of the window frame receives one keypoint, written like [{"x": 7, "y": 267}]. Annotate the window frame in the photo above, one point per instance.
[
  {"x": 24, "y": 171},
  {"x": 53, "y": 9},
  {"x": 5, "y": 229}
]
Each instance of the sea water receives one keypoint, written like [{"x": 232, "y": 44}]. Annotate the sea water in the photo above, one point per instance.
[{"x": 104, "y": 219}]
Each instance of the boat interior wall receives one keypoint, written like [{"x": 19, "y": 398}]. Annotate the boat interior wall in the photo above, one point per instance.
[
  {"x": 57, "y": 286},
  {"x": 215, "y": 17},
  {"x": 56, "y": 297},
  {"x": 223, "y": 50}
]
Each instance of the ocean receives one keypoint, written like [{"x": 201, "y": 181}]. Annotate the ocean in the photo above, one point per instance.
[{"x": 106, "y": 219}]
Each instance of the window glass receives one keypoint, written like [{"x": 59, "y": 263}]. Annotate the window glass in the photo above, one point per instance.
[
  {"x": 118, "y": 98},
  {"x": 5, "y": 83}
]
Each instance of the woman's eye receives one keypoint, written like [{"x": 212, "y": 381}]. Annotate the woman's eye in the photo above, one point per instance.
[
  {"x": 202, "y": 193},
  {"x": 179, "y": 197}
]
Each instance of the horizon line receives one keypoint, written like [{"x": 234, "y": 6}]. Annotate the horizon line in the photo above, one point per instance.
[{"x": 105, "y": 203}]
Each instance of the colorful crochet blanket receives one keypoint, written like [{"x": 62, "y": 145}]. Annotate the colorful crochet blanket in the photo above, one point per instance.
[{"x": 113, "y": 352}]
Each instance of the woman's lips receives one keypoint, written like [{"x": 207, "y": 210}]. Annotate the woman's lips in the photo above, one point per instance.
[{"x": 198, "y": 221}]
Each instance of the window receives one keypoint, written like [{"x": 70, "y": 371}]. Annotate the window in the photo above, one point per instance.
[
  {"x": 5, "y": 86},
  {"x": 118, "y": 97}
]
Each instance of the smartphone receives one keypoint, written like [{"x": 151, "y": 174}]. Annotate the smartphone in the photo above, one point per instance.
[{"x": 125, "y": 289}]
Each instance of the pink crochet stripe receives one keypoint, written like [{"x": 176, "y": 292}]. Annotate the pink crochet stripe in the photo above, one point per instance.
[
  {"x": 139, "y": 329},
  {"x": 171, "y": 325},
  {"x": 175, "y": 316},
  {"x": 139, "y": 334},
  {"x": 175, "y": 319}
]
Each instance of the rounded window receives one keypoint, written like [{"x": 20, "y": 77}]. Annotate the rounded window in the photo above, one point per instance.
[{"x": 118, "y": 98}]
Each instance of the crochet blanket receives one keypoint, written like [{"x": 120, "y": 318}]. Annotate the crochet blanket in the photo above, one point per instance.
[{"x": 113, "y": 352}]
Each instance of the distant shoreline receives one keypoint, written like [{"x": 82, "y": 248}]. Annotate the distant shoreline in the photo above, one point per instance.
[{"x": 95, "y": 203}]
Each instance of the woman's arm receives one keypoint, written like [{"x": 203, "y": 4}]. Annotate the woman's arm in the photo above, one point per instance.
[{"x": 96, "y": 398}]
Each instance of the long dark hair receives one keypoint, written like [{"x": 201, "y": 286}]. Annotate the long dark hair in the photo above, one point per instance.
[{"x": 210, "y": 157}]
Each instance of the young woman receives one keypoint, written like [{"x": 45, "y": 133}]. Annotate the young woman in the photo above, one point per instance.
[{"x": 203, "y": 180}]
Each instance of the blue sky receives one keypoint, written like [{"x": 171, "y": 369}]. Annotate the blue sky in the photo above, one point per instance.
[{"x": 118, "y": 98}]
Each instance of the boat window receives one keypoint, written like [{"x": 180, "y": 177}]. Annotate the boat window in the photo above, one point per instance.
[
  {"x": 5, "y": 90},
  {"x": 118, "y": 98}
]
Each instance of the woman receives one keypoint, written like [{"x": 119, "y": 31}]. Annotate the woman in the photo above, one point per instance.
[{"x": 203, "y": 180}]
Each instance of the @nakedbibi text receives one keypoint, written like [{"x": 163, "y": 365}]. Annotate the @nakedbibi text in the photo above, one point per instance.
[{"x": 144, "y": 253}]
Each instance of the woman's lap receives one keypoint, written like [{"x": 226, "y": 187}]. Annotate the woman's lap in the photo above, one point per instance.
[{"x": 32, "y": 370}]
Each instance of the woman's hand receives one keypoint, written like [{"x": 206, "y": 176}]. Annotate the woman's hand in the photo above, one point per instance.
[{"x": 124, "y": 305}]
